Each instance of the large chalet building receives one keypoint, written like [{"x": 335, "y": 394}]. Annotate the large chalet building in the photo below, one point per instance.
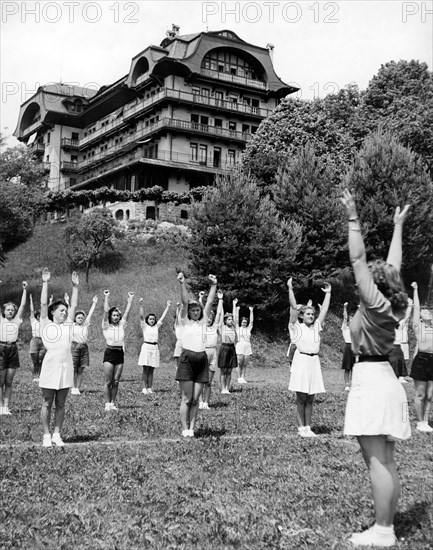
[{"x": 181, "y": 115}]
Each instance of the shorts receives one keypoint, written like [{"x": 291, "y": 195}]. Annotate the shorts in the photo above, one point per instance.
[
  {"x": 193, "y": 367},
  {"x": 37, "y": 346},
  {"x": 9, "y": 356},
  {"x": 243, "y": 348},
  {"x": 348, "y": 357},
  {"x": 80, "y": 355},
  {"x": 114, "y": 355},
  {"x": 396, "y": 358},
  {"x": 422, "y": 367},
  {"x": 227, "y": 358},
  {"x": 212, "y": 358}
]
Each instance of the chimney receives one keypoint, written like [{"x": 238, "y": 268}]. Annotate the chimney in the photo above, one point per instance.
[
  {"x": 175, "y": 29},
  {"x": 270, "y": 48}
]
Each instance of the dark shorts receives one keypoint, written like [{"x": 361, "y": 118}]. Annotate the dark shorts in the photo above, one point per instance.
[
  {"x": 422, "y": 367},
  {"x": 37, "y": 346},
  {"x": 9, "y": 356},
  {"x": 227, "y": 358},
  {"x": 193, "y": 367},
  {"x": 80, "y": 355},
  {"x": 114, "y": 355},
  {"x": 348, "y": 357},
  {"x": 398, "y": 364}
]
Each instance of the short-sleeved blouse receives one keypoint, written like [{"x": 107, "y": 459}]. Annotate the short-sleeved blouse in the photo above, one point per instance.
[
  {"x": 372, "y": 328},
  {"x": 9, "y": 329},
  {"x": 306, "y": 338},
  {"x": 193, "y": 334},
  {"x": 150, "y": 333},
  {"x": 114, "y": 334}
]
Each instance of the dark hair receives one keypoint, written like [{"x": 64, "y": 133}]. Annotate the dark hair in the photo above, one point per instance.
[
  {"x": 212, "y": 312},
  {"x": 388, "y": 281},
  {"x": 303, "y": 309},
  {"x": 79, "y": 312},
  {"x": 245, "y": 319},
  {"x": 147, "y": 318},
  {"x": 37, "y": 312},
  {"x": 111, "y": 311},
  {"x": 52, "y": 307},
  {"x": 9, "y": 304},
  {"x": 226, "y": 316},
  {"x": 194, "y": 303}
]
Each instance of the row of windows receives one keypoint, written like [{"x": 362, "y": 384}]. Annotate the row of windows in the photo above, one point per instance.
[
  {"x": 223, "y": 61},
  {"x": 228, "y": 96},
  {"x": 218, "y": 123},
  {"x": 199, "y": 153}
]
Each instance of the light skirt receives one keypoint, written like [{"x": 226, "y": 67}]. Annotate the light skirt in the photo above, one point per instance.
[
  {"x": 149, "y": 355},
  {"x": 377, "y": 403},
  {"x": 306, "y": 374},
  {"x": 243, "y": 348}
]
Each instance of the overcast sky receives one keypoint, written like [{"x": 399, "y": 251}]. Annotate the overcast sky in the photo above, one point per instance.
[{"x": 319, "y": 46}]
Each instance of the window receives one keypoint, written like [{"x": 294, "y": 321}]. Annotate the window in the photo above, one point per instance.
[
  {"x": 74, "y": 159},
  {"x": 150, "y": 213},
  {"x": 218, "y": 122},
  {"x": 232, "y": 126},
  {"x": 194, "y": 151},
  {"x": 48, "y": 137},
  {"x": 204, "y": 120},
  {"x": 72, "y": 181},
  {"x": 245, "y": 128},
  {"x": 196, "y": 90},
  {"x": 231, "y": 157},
  {"x": 195, "y": 119},
  {"x": 202, "y": 154},
  {"x": 205, "y": 92},
  {"x": 233, "y": 99},
  {"x": 219, "y": 96},
  {"x": 217, "y": 157},
  {"x": 254, "y": 129},
  {"x": 74, "y": 136},
  {"x": 184, "y": 214}
]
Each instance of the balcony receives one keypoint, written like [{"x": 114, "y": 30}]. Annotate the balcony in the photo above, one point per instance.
[
  {"x": 68, "y": 143},
  {"x": 183, "y": 160},
  {"x": 44, "y": 166},
  {"x": 171, "y": 123},
  {"x": 181, "y": 96},
  {"x": 234, "y": 79},
  {"x": 67, "y": 166},
  {"x": 37, "y": 148},
  {"x": 36, "y": 124}
]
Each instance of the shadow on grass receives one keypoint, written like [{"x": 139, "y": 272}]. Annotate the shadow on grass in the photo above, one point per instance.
[
  {"x": 322, "y": 430},
  {"x": 210, "y": 432},
  {"x": 409, "y": 521},
  {"x": 218, "y": 405},
  {"x": 82, "y": 438}
]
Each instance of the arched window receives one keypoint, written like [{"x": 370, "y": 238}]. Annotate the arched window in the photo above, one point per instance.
[
  {"x": 127, "y": 215},
  {"x": 119, "y": 215},
  {"x": 184, "y": 214},
  {"x": 150, "y": 213},
  {"x": 141, "y": 68},
  {"x": 233, "y": 62}
]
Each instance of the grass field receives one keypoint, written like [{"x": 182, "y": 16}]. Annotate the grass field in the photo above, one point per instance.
[{"x": 127, "y": 479}]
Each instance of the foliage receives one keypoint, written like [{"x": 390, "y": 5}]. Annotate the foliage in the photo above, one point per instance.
[
  {"x": 239, "y": 237},
  {"x": 305, "y": 193},
  {"x": 88, "y": 237},
  {"x": 385, "y": 174},
  {"x": 400, "y": 100},
  {"x": 20, "y": 165}
]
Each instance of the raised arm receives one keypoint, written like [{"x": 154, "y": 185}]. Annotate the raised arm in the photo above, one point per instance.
[
  {"x": 395, "y": 248},
  {"x": 183, "y": 296},
  {"x": 211, "y": 295},
  {"x": 416, "y": 319},
  {"x": 74, "y": 296},
  {"x": 20, "y": 311},
  {"x": 201, "y": 297},
  {"x": 357, "y": 253},
  {"x": 141, "y": 301},
  {"x": 325, "y": 304},
  {"x": 251, "y": 323},
  {"x": 345, "y": 317},
  {"x": 128, "y": 306},
  {"x": 164, "y": 313},
  {"x": 106, "y": 307},
  {"x": 235, "y": 312},
  {"x": 92, "y": 310},
  {"x": 408, "y": 312},
  {"x": 66, "y": 298},
  {"x": 294, "y": 313},
  {"x": 32, "y": 308},
  {"x": 220, "y": 309},
  {"x": 44, "y": 293}
]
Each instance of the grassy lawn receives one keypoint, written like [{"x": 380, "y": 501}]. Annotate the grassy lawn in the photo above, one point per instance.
[{"x": 127, "y": 479}]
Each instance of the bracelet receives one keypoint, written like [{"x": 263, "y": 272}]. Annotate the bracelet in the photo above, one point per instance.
[
  {"x": 353, "y": 219},
  {"x": 354, "y": 229}
]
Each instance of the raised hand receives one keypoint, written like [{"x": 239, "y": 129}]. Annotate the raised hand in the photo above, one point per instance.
[
  {"x": 168, "y": 303},
  {"x": 220, "y": 294},
  {"x": 290, "y": 283},
  {"x": 213, "y": 279},
  {"x": 130, "y": 296},
  {"x": 95, "y": 299},
  {"x": 399, "y": 217},
  {"x": 45, "y": 275},
  {"x": 349, "y": 202},
  {"x": 181, "y": 277},
  {"x": 75, "y": 279},
  {"x": 141, "y": 301},
  {"x": 25, "y": 285},
  {"x": 414, "y": 285},
  {"x": 106, "y": 293},
  {"x": 327, "y": 288}
]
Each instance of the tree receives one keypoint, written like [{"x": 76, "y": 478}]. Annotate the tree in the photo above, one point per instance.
[
  {"x": 237, "y": 235},
  {"x": 385, "y": 174},
  {"x": 305, "y": 193},
  {"x": 88, "y": 236}
]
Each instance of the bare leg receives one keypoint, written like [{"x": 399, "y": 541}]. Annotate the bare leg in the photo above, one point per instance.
[
  {"x": 150, "y": 377},
  {"x": 378, "y": 454},
  {"x": 301, "y": 400},
  {"x": 144, "y": 377},
  {"x": 207, "y": 387},
  {"x": 309, "y": 409},
  {"x": 419, "y": 400},
  {"x": 193, "y": 410},
  {"x": 115, "y": 383},
  {"x": 228, "y": 378},
  {"x": 47, "y": 403},
  {"x": 187, "y": 389},
  {"x": 240, "y": 359},
  {"x": 108, "y": 378},
  {"x": 2, "y": 383},
  {"x": 10, "y": 374},
  {"x": 59, "y": 415},
  {"x": 347, "y": 377},
  {"x": 427, "y": 401},
  {"x": 79, "y": 378},
  {"x": 245, "y": 365}
]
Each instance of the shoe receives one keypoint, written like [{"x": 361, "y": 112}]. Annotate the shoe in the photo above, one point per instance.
[
  {"x": 46, "y": 440},
  {"x": 185, "y": 433},
  {"x": 149, "y": 390},
  {"x": 309, "y": 432},
  {"x": 6, "y": 411},
  {"x": 113, "y": 407},
  {"x": 108, "y": 406},
  {"x": 244, "y": 381},
  {"x": 200, "y": 405},
  {"x": 57, "y": 440},
  {"x": 402, "y": 380},
  {"x": 301, "y": 431},
  {"x": 35, "y": 379},
  {"x": 190, "y": 433},
  {"x": 75, "y": 391},
  {"x": 420, "y": 426},
  {"x": 372, "y": 538},
  {"x": 144, "y": 390},
  {"x": 240, "y": 380},
  {"x": 347, "y": 388},
  {"x": 204, "y": 405}
]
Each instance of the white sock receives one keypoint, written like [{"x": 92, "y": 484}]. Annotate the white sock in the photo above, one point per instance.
[{"x": 384, "y": 530}]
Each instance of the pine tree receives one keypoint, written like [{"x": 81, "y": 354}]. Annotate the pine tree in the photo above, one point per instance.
[{"x": 238, "y": 235}]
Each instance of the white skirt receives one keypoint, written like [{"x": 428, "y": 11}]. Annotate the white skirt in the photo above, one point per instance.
[
  {"x": 306, "y": 374},
  {"x": 243, "y": 348},
  {"x": 377, "y": 403},
  {"x": 149, "y": 355}
]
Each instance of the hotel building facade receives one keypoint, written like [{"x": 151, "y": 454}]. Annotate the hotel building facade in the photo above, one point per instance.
[{"x": 182, "y": 115}]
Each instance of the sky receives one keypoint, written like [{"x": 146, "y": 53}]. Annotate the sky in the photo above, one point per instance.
[{"x": 319, "y": 46}]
